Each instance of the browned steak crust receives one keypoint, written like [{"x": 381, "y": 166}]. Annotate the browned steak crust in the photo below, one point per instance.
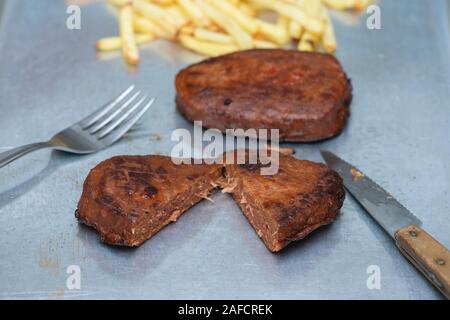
[
  {"x": 301, "y": 197},
  {"x": 130, "y": 198},
  {"x": 304, "y": 95}
]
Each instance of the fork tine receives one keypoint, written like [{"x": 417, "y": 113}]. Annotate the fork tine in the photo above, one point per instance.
[
  {"x": 97, "y": 114},
  {"x": 110, "y": 127},
  {"x": 111, "y": 138},
  {"x": 110, "y": 117}
]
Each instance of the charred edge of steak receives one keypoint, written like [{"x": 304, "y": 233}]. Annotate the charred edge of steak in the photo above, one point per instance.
[{"x": 327, "y": 199}]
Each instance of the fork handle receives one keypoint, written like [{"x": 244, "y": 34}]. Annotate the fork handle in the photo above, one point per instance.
[{"x": 15, "y": 153}]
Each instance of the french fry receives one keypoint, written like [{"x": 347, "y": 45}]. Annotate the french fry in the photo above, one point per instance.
[
  {"x": 115, "y": 43},
  {"x": 305, "y": 46},
  {"x": 283, "y": 22},
  {"x": 361, "y": 4},
  {"x": 143, "y": 25},
  {"x": 176, "y": 15},
  {"x": 243, "y": 39},
  {"x": 313, "y": 8},
  {"x": 329, "y": 39},
  {"x": 127, "y": 39},
  {"x": 256, "y": 6},
  {"x": 108, "y": 44},
  {"x": 295, "y": 30},
  {"x": 264, "y": 44},
  {"x": 157, "y": 15},
  {"x": 118, "y": 3},
  {"x": 206, "y": 48},
  {"x": 292, "y": 12},
  {"x": 248, "y": 10},
  {"x": 341, "y": 4},
  {"x": 191, "y": 10},
  {"x": 187, "y": 29},
  {"x": 273, "y": 32},
  {"x": 163, "y": 2},
  {"x": 214, "y": 27},
  {"x": 245, "y": 21},
  {"x": 307, "y": 42},
  {"x": 212, "y": 36}
]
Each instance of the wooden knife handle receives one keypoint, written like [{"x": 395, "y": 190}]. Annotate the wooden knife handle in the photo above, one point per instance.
[{"x": 427, "y": 254}]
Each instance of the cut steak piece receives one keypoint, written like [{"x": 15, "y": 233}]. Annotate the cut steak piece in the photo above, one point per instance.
[
  {"x": 289, "y": 205},
  {"x": 304, "y": 95},
  {"x": 130, "y": 198}
]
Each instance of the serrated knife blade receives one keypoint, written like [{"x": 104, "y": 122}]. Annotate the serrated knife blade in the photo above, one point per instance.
[
  {"x": 379, "y": 203},
  {"x": 429, "y": 256}
]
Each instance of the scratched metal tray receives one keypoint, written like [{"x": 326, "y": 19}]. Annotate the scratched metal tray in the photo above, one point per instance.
[{"x": 398, "y": 134}]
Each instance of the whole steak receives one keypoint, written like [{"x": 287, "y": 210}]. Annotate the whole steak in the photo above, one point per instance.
[{"x": 304, "y": 95}]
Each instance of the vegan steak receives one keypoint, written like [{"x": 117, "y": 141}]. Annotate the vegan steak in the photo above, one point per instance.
[
  {"x": 305, "y": 95},
  {"x": 289, "y": 205},
  {"x": 128, "y": 199}
]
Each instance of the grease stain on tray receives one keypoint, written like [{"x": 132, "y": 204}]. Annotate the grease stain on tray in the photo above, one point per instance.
[
  {"x": 59, "y": 293},
  {"x": 155, "y": 137}
]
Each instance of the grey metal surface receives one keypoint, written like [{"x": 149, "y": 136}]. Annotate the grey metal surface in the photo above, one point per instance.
[
  {"x": 2, "y": 2},
  {"x": 379, "y": 203},
  {"x": 398, "y": 133}
]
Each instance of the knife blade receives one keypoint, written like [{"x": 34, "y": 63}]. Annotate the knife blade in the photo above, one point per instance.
[
  {"x": 428, "y": 255},
  {"x": 379, "y": 203}
]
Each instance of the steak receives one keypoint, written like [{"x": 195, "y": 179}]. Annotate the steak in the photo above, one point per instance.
[
  {"x": 128, "y": 199},
  {"x": 305, "y": 95},
  {"x": 289, "y": 205}
]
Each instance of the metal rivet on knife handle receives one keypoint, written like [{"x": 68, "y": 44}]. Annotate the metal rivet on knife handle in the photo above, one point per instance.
[{"x": 440, "y": 262}]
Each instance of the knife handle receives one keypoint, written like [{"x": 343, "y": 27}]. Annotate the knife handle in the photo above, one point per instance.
[{"x": 427, "y": 255}]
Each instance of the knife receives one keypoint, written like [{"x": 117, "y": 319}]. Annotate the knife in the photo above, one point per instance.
[{"x": 430, "y": 257}]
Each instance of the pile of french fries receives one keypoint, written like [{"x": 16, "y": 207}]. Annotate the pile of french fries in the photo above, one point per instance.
[{"x": 216, "y": 27}]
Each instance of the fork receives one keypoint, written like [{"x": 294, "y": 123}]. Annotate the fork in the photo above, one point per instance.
[{"x": 95, "y": 132}]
